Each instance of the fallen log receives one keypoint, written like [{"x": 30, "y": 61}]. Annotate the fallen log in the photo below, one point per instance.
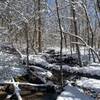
[
  {"x": 89, "y": 71},
  {"x": 39, "y": 77},
  {"x": 41, "y": 72},
  {"x": 24, "y": 83}
]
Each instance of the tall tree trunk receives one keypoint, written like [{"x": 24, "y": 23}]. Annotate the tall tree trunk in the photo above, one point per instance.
[
  {"x": 61, "y": 42},
  {"x": 97, "y": 16},
  {"x": 71, "y": 31},
  {"x": 76, "y": 33},
  {"x": 27, "y": 45},
  {"x": 39, "y": 28}
]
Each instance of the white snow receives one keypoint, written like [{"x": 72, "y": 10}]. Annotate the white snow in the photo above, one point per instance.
[
  {"x": 73, "y": 93},
  {"x": 9, "y": 66},
  {"x": 93, "y": 70},
  {"x": 93, "y": 84},
  {"x": 37, "y": 59},
  {"x": 49, "y": 74},
  {"x": 95, "y": 64}
]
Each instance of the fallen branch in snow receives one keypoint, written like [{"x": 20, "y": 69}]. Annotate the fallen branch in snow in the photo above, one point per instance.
[
  {"x": 17, "y": 89},
  {"x": 23, "y": 83},
  {"x": 37, "y": 87}
]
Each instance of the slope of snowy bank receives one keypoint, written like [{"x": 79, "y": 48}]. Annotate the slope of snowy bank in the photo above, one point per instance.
[
  {"x": 92, "y": 84},
  {"x": 73, "y": 93}
]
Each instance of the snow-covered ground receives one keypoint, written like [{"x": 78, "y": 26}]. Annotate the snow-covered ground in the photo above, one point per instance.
[
  {"x": 88, "y": 83},
  {"x": 10, "y": 66},
  {"x": 73, "y": 93},
  {"x": 83, "y": 50}
]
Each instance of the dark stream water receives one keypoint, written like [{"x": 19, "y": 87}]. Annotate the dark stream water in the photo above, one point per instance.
[{"x": 37, "y": 96}]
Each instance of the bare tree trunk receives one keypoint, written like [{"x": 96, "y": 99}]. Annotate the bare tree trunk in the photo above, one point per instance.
[
  {"x": 96, "y": 13},
  {"x": 39, "y": 28},
  {"x": 98, "y": 4},
  {"x": 88, "y": 42},
  {"x": 90, "y": 28},
  {"x": 65, "y": 40},
  {"x": 71, "y": 51},
  {"x": 27, "y": 45},
  {"x": 76, "y": 33},
  {"x": 71, "y": 31},
  {"x": 61, "y": 42}
]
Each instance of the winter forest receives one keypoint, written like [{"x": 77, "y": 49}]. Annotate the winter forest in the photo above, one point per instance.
[{"x": 49, "y": 49}]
